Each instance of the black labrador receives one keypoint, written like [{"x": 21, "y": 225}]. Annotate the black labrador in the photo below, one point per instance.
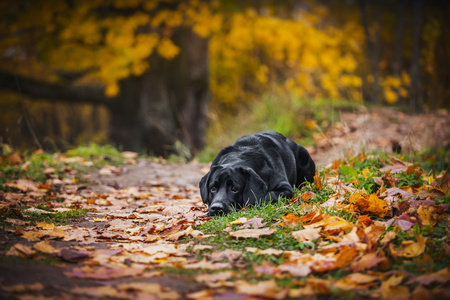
[{"x": 257, "y": 168}]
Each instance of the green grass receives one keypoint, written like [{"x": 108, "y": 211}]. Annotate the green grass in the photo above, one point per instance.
[
  {"x": 57, "y": 218},
  {"x": 39, "y": 161},
  {"x": 297, "y": 118}
]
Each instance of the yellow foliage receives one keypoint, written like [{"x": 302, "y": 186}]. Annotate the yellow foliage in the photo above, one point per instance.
[{"x": 167, "y": 49}]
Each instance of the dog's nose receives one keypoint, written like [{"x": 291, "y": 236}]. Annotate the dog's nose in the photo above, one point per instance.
[{"x": 216, "y": 209}]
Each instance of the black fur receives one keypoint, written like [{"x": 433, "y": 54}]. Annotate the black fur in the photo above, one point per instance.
[{"x": 257, "y": 168}]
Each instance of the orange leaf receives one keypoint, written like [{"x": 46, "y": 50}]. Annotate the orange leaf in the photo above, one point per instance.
[{"x": 317, "y": 181}]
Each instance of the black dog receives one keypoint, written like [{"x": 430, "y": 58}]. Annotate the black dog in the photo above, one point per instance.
[{"x": 257, "y": 168}]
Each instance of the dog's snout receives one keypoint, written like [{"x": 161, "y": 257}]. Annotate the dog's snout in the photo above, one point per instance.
[{"x": 216, "y": 209}]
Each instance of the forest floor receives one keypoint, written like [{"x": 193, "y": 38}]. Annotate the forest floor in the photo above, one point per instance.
[{"x": 138, "y": 230}]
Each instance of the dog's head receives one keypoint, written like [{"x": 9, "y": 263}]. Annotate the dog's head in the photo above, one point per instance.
[{"x": 223, "y": 188}]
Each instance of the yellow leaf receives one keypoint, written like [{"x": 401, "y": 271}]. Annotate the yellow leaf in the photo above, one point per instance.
[
  {"x": 427, "y": 215},
  {"x": 44, "y": 225},
  {"x": 412, "y": 249}
]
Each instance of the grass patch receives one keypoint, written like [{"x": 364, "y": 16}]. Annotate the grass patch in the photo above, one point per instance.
[
  {"x": 82, "y": 159},
  {"x": 297, "y": 118},
  {"x": 57, "y": 218}
]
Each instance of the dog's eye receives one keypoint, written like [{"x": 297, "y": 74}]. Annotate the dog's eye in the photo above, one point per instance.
[
  {"x": 234, "y": 189},
  {"x": 213, "y": 189}
]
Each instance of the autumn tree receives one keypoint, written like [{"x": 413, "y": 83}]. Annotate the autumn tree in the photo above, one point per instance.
[{"x": 144, "y": 60}]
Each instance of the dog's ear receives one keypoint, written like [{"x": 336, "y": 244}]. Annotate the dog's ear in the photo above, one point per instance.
[
  {"x": 204, "y": 191},
  {"x": 255, "y": 190}
]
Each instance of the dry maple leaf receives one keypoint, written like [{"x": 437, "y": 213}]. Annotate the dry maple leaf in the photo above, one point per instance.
[
  {"x": 427, "y": 215},
  {"x": 391, "y": 289},
  {"x": 46, "y": 226},
  {"x": 356, "y": 281},
  {"x": 290, "y": 219},
  {"x": 369, "y": 204},
  {"x": 45, "y": 247},
  {"x": 267, "y": 289},
  {"x": 318, "y": 181},
  {"x": 306, "y": 235},
  {"x": 204, "y": 264},
  {"x": 229, "y": 254},
  {"x": 239, "y": 221},
  {"x": 251, "y": 233},
  {"x": 254, "y": 223},
  {"x": 295, "y": 269},
  {"x": 442, "y": 276}
]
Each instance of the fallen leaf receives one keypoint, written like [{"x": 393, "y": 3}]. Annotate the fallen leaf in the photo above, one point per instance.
[
  {"x": 204, "y": 264},
  {"x": 369, "y": 204},
  {"x": 427, "y": 215},
  {"x": 251, "y": 233},
  {"x": 212, "y": 279},
  {"x": 367, "y": 261},
  {"x": 442, "y": 276},
  {"x": 73, "y": 255},
  {"x": 103, "y": 272},
  {"x": 176, "y": 210},
  {"x": 391, "y": 289},
  {"x": 295, "y": 269},
  {"x": 318, "y": 181},
  {"x": 306, "y": 196},
  {"x": 21, "y": 287},
  {"x": 177, "y": 235},
  {"x": 228, "y": 254},
  {"x": 290, "y": 219},
  {"x": 45, "y": 247},
  {"x": 356, "y": 281},
  {"x": 254, "y": 223},
  {"x": 17, "y": 222},
  {"x": 413, "y": 249},
  {"x": 267, "y": 289},
  {"x": 21, "y": 250},
  {"x": 46, "y": 226},
  {"x": 239, "y": 221},
  {"x": 306, "y": 235},
  {"x": 99, "y": 292}
]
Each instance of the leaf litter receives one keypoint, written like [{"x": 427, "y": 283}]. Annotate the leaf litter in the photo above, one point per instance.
[{"x": 384, "y": 240}]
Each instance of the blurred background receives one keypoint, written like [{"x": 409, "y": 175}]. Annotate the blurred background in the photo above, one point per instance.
[{"x": 189, "y": 77}]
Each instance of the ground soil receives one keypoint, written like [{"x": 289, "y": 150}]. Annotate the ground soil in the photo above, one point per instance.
[{"x": 385, "y": 129}]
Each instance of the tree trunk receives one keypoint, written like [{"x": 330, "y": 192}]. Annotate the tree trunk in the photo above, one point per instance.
[
  {"x": 167, "y": 104},
  {"x": 373, "y": 44},
  {"x": 415, "y": 100}
]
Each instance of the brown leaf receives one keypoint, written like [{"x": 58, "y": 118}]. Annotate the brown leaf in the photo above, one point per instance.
[
  {"x": 442, "y": 276},
  {"x": 251, "y": 233},
  {"x": 21, "y": 287},
  {"x": 267, "y": 289},
  {"x": 391, "y": 289},
  {"x": 254, "y": 222},
  {"x": 17, "y": 222},
  {"x": 228, "y": 254},
  {"x": 45, "y": 247},
  {"x": 104, "y": 273},
  {"x": 318, "y": 181},
  {"x": 239, "y": 221},
  {"x": 46, "y": 226},
  {"x": 367, "y": 261},
  {"x": 215, "y": 279},
  {"x": 427, "y": 215},
  {"x": 21, "y": 250},
  {"x": 204, "y": 264},
  {"x": 306, "y": 196},
  {"x": 177, "y": 235},
  {"x": 295, "y": 269},
  {"x": 306, "y": 235},
  {"x": 176, "y": 210},
  {"x": 73, "y": 255},
  {"x": 356, "y": 281}
]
